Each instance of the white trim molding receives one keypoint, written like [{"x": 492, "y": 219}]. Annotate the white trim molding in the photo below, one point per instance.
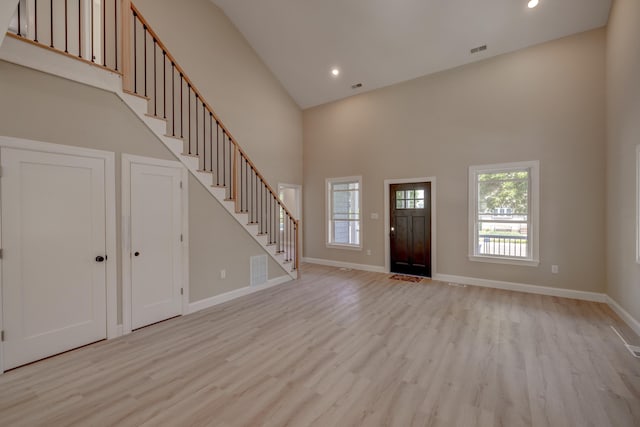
[
  {"x": 387, "y": 219},
  {"x": 236, "y": 293},
  {"x": 127, "y": 161},
  {"x": 340, "y": 264},
  {"x": 624, "y": 314},
  {"x": 523, "y": 287}
]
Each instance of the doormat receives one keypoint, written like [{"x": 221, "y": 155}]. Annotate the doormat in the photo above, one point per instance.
[{"x": 406, "y": 278}]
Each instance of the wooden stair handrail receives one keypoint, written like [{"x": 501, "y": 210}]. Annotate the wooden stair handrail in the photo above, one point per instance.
[{"x": 209, "y": 108}]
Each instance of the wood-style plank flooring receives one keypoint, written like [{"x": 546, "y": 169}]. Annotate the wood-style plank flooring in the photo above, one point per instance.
[{"x": 346, "y": 348}]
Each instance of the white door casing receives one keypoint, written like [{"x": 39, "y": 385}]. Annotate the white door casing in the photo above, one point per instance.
[
  {"x": 57, "y": 217},
  {"x": 154, "y": 240},
  {"x": 291, "y": 196}
]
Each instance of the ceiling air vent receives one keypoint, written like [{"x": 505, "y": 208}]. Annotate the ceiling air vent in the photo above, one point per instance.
[
  {"x": 356, "y": 86},
  {"x": 479, "y": 48}
]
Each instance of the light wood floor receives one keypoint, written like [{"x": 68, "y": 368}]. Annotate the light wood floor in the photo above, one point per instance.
[{"x": 347, "y": 348}]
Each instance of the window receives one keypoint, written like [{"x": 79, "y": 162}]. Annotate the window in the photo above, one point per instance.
[
  {"x": 410, "y": 199},
  {"x": 503, "y": 213},
  {"x": 344, "y": 207}
]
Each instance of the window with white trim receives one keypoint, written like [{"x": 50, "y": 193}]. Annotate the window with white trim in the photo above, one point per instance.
[
  {"x": 504, "y": 212},
  {"x": 344, "y": 207}
]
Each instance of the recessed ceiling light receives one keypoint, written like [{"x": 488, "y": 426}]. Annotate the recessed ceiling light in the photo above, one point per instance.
[
  {"x": 335, "y": 72},
  {"x": 533, "y": 3}
]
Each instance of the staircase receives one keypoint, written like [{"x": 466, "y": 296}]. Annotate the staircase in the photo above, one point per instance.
[{"x": 157, "y": 89}]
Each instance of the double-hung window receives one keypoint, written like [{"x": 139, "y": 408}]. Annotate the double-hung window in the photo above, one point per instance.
[
  {"x": 503, "y": 213},
  {"x": 344, "y": 207}
]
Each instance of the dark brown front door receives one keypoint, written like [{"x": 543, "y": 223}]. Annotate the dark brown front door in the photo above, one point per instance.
[{"x": 410, "y": 222}]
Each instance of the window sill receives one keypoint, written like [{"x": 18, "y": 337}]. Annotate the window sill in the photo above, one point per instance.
[
  {"x": 347, "y": 247},
  {"x": 501, "y": 260}
]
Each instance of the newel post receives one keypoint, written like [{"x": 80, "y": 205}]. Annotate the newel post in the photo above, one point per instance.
[
  {"x": 234, "y": 178},
  {"x": 127, "y": 42},
  {"x": 297, "y": 246}
]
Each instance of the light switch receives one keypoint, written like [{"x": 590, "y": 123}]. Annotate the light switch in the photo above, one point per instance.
[{"x": 374, "y": 215}]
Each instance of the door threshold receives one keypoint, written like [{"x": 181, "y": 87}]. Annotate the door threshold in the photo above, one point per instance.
[
  {"x": 155, "y": 323},
  {"x": 53, "y": 355}
]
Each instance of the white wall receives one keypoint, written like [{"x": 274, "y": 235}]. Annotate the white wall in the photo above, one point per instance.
[
  {"x": 623, "y": 135},
  {"x": 543, "y": 103}
]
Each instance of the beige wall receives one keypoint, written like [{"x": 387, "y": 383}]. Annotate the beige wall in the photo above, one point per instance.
[
  {"x": 38, "y": 106},
  {"x": 544, "y": 103},
  {"x": 244, "y": 93},
  {"x": 233, "y": 247},
  {"x": 623, "y": 135}
]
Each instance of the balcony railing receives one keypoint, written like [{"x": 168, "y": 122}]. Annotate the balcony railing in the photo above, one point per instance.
[
  {"x": 503, "y": 245},
  {"x": 88, "y": 30}
]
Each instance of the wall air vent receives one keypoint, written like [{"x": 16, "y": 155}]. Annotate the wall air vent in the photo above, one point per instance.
[
  {"x": 258, "y": 270},
  {"x": 356, "y": 86},
  {"x": 479, "y": 48}
]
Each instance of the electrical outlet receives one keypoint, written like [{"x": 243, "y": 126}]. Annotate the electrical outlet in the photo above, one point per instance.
[
  {"x": 555, "y": 269},
  {"x": 223, "y": 274},
  {"x": 374, "y": 215},
  {"x": 368, "y": 251}
]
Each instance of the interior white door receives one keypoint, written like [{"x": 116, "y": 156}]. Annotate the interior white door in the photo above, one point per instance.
[
  {"x": 156, "y": 258},
  {"x": 53, "y": 231}
]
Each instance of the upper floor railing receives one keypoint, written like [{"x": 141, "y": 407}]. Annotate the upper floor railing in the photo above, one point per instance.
[{"x": 88, "y": 30}]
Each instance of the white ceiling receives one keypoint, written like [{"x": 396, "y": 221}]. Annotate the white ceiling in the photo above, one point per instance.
[{"x": 381, "y": 42}]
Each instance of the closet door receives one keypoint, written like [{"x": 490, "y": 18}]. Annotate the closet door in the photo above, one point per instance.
[{"x": 53, "y": 265}]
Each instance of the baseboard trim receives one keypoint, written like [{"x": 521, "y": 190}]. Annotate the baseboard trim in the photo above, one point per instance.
[
  {"x": 236, "y": 293},
  {"x": 340, "y": 264},
  {"x": 522, "y": 287},
  {"x": 624, "y": 314}
]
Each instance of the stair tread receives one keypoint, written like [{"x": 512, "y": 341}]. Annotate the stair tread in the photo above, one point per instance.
[
  {"x": 128, "y": 92},
  {"x": 190, "y": 155},
  {"x": 156, "y": 117}
]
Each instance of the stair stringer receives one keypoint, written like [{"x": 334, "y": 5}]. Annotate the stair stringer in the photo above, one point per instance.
[{"x": 158, "y": 126}]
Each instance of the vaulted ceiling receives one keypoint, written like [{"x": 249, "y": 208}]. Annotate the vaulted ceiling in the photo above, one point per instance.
[{"x": 381, "y": 42}]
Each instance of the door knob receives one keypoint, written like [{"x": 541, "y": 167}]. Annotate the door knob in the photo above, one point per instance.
[
  {"x": 99, "y": 258},
  {"x": 136, "y": 253}
]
